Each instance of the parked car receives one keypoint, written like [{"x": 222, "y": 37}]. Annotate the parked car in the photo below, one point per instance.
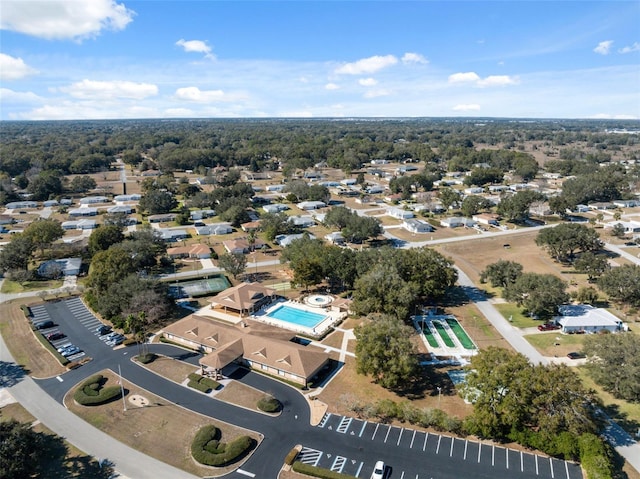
[
  {"x": 55, "y": 336},
  {"x": 44, "y": 324},
  {"x": 575, "y": 355},
  {"x": 109, "y": 336},
  {"x": 117, "y": 339},
  {"x": 103, "y": 329},
  {"x": 378, "y": 470},
  {"x": 71, "y": 351},
  {"x": 64, "y": 347},
  {"x": 549, "y": 327}
]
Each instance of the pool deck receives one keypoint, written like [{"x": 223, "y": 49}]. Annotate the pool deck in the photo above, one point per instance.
[{"x": 330, "y": 317}]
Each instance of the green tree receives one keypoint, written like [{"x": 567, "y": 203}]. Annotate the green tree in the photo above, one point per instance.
[
  {"x": 587, "y": 295},
  {"x": 539, "y": 294},
  {"x": 110, "y": 266},
  {"x": 618, "y": 230},
  {"x": 384, "y": 350},
  {"x": 157, "y": 202},
  {"x": 16, "y": 254},
  {"x": 20, "y": 449},
  {"x": 449, "y": 197},
  {"x": 473, "y": 204},
  {"x": 80, "y": 184},
  {"x": 45, "y": 186},
  {"x": 482, "y": 176},
  {"x": 233, "y": 263},
  {"x": 622, "y": 284},
  {"x": 565, "y": 240},
  {"x": 516, "y": 207},
  {"x": 308, "y": 272},
  {"x": 274, "y": 224},
  {"x": 43, "y": 232},
  {"x": 591, "y": 264},
  {"x": 102, "y": 238},
  {"x": 428, "y": 270},
  {"x": 502, "y": 273},
  {"x": 614, "y": 363}
]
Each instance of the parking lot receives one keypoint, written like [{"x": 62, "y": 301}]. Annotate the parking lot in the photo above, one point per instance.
[
  {"x": 74, "y": 321},
  {"x": 414, "y": 454}
]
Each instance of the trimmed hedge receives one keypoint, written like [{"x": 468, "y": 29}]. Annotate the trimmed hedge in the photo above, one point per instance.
[
  {"x": 207, "y": 449},
  {"x": 92, "y": 393},
  {"x": 291, "y": 457},
  {"x": 314, "y": 471},
  {"x": 269, "y": 404},
  {"x": 202, "y": 383},
  {"x": 26, "y": 310},
  {"x": 45, "y": 342},
  {"x": 147, "y": 358}
]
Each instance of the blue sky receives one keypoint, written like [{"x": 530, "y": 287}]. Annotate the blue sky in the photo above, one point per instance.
[{"x": 103, "y": 59}]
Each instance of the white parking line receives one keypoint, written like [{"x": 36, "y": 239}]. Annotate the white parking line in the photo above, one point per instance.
[
  {"x": 374, "y": 432},
  {"x": 424, "y": 446},
  {"x": 362, "y": 430},
  {"x": 493, "y": 455},
  {"x": 387, "y": 436},
  {"x": 537, "y": 472},
  {"x": 506, "y": 450},
  {"x": 466, "y": 443},
  {"x": 453, "y": 440},
  {"x": 359, "y": 469},
  {"x": 551, "y": 464},
  {"x": 402, "y": 475},
  {"x": 59, "y": 378},
  {"x": 412, "y": 439},
  {"x": 400, "y": 436},
  {"x": 438, "y": 446},
  {"x": 521, "y": 462},
  {"x": 479, "y": 450},
  {"x": 245, "y": 473},
  {"x": 566, "y": 467}
]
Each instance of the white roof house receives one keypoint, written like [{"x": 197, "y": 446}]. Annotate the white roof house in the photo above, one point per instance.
[
  {"x": 335, "y": 237},
  {"x": 311, "y": 205},
  {"x": 302, "y": 221},
  {"x": 126, "y": 209},
  {"x": 400, "y": 214},
  {"x": 131, "y": 197},
  {"x": 172, "y": 235},
  {"x": 417, "y": 226},
  {"x": 286, "y": 240},
  {"x": 214, "y": 229},
  {"x": 275, "y": 208},
  {"x": 66, "y": 266},
  {"x": 79, "y": 225},
  {"x": 16, "y": 205},
  {"x": 90, "y": 200},
  {"x": 456, "y": 221},
  {"x": 629, "y": 226},
  {"x": 83, "y": 212},
  {"x": 585, "y": 318}
]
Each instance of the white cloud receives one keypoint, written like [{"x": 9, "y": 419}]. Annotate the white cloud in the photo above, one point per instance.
[
  {"x": 64, "y": 19},
  {"x": 630, "y": 48},
  {"x": 464, "y": 77},
  {"x": 194, "y": 94},
  {"x": 467, "y": 107},
  {"x": 491, "y": 80},
  {"x": 498, "y": 80},
  {"x": 408, "y": 58},
  {"x": 197, "y": 46},
  {"x": 608, "y": 116},
  {"x": 367, "y": 65},
  {"x": 179, "y": 112},
  {"x": 107, "y": 90},
  {"x": 12, "y": 68},
  {"x": 376, "y": 93},
  {"x": 331, "y": 86},
  {"x": 368, "y": 81},
  {"x": 11, "y": 96},
  {"x": 604, "y": 48}
]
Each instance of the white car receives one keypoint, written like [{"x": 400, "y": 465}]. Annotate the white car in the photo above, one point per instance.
[{"x": 378, "y": 470}]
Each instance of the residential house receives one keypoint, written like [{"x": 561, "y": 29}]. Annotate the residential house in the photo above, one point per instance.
[
  {"x": 198, "y": 215},
  {"x": 214, "y": 229},
  {"x": 21, "y": 205},
  {"x": 348, "y": 181},
  {"x": 311, "y": 205},
  {"x": 65, "y": 266},
  {"x": 277, "y": 188},
  {"x": 241, "y": 245},
  {"x": 400, "y": 214},
  {"x": 162, "y": 218},
  {"x": 197, "y": 251},
  {"x": 417, "y": 226},
  {"x": 172, "y": 235},
  {"x": 87, "y": 211},
  {"x": 6, "y": 220},
  {"x": 50, "y": 203},
  {"x": 250, "y": 226},
  {"x": 275, "y": 208},
  {"x": 457, "y": 221},
  {"x": 92, "y": 200},
  {"x": 79, "y": 225},
  {"x": 626, "y": 203},
  {"x": 629, "y": 226},
  {"x": 302, "y": 221},
  {"x": 286, "y": 240},
  {"x": 579, "y": 318},
  {"x": 486, "y": 218},
  {"x": 126, "y": 209},
  {"x": 335, "y": 238},
  {"x": 124, "y": 198}
]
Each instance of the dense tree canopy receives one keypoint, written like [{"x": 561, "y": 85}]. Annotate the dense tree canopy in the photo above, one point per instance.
[
  {"x": 566, "y": 239},
  {"x": 622, "y": 284},
  {"x": 16, "y": 254},
  {"x": 502, "y": 273},
  {"x": 157, "y": 202},
  {"x": 516, "y": 207},
  {"x": 539, "y": 294},
  {"x": 105, "y": 236},
  {"x": 43, "y": 232},
  {"x": 384, "y": 350},
  {"x": 614, "y": 363}
]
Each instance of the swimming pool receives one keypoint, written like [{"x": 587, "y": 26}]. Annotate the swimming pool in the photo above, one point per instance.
[{"x": 296, "y": 316}]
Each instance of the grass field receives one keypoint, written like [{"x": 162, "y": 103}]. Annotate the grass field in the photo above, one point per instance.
[
  {"x": 555, "y": 344},
  {"x": 9, "y": 287},
  {"x": 513, "y": 313}
]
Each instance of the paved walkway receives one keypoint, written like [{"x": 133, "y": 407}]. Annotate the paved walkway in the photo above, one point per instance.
[{"x": 81, "y": 434}]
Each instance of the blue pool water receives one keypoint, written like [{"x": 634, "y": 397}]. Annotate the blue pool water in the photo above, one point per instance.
[{"x": 296, "y": 316}]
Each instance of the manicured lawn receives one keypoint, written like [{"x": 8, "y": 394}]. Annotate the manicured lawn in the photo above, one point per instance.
[
  {"x": 546, "y": 343},
  {"x": 9, "y": 287},
  {"x": 513, "y": 313}
]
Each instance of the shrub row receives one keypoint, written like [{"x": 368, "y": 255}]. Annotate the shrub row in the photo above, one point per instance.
[
  {"x": 26, "y": 310},
  {"x": 314, "y": 471},
  {"x": 293, "y": 453},
  {"x": 45, "y": 342},
  {"x": 595, "y": 457},
  {"x": 203, "y": 388},
  {"x": 206, "y": 448},
  {"x": 92, "y": 393},
  {"x": 269, "y": 404}
]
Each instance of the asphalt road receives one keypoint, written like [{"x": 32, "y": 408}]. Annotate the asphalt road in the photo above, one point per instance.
[{"x": 338, "y": 443}]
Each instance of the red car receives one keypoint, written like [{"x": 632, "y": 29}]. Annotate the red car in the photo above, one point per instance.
[
  {"x": 54, "y": 336},
  {"x": 548, "y": 327}
]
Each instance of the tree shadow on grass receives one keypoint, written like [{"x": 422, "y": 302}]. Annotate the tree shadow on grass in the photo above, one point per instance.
[
  {"x": 462, "y": 295},
  {"x": 427, "y": 382},
  {"x": 54, "y": 462},
  {"x": 11, "y": 373},
  {"x": 631, "y": 425}
]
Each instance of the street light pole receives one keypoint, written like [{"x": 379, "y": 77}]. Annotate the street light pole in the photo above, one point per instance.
[{"x": 439, "y": 394}]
